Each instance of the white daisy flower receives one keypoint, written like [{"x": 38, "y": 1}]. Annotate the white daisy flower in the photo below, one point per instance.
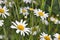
[
  {"x": 1, "y": 22},
  {"x": 57, "y": 36},
  {"x": 1, "y": 1},
  {"x": 52, "y": 18},
  {"x": 4, "y": 12},
  {"x": 35, "y": 30},
  {"x": 45, "y": 22},
  {"x": 24, "y": 11},
  {"x": 44, "y": 36},
  {"x": 21, "y": 27},
  {"x": 40, "y": 13},
  {"x": 55, "y": 20},
  {"x": 11, "y": 3},
  {"x": 27, "y": 1}
]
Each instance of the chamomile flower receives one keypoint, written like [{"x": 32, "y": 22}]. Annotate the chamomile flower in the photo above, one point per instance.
[
  {"x": 1, "y": 1},
  {"x": 27, "y": 1},
  {"x": 21, "y": 27},
  {"x": 44, "y": 36},
  {"x": 57, "y": 36},
  {"x": 1, "y": 22},
  {"x": 52, "y": 18},
  {"x": 55, "y": 20},
  {"x": 24, "y": 11},
  {"x": 10, "y": 4},
  {"x": 35, "y": 30},
  {"x": 45, "y": 22},
  {"x": 40, "y": 13},
  {"x": 4, "y": 12}
]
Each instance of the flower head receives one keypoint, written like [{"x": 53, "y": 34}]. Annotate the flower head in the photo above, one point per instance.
[
  {"x": 57, "y": 36},
  {"x": 55, "y": 20},
  {"x": 4, "y": 12},
  {"x": 35, "y": 30},
  {"x": 24, "y": 11},
  {"x": 44, "y": 36},
  {"x": 21, "y": 27},
  {"x": 40, "y": 13}
]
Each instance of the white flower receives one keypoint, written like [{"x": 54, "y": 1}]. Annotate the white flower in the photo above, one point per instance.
[
  {"x": 40, "y": 13},
  {"x": 11, "y": 3},
  {"x": 4, "y": 12},
  {"x": 45, "y": 22},
  {"x": 1, "y": 36},
  {"x": 21, "y": 27},
  {"x": 27, "y": 1},
  {"x": 57, "y": 36},
  {"x": 55, "y": 20},
  {"x": 52, "y": 18},
  {"x": 1, "y": 22},
  {"x": 44, "y": 36},
  {"x": 35, "y": 30},
  {"x": 24, "y": 11},
  {"x": 1, "y": 1}
]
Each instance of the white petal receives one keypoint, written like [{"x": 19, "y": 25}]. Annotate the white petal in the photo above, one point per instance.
[
  {"x": 14, "y": 23},
  {"x": 23, "y": 34},
  {"x": 17, "y": 31},
  {"x": 13, "y": 26},
  {"x": 24, "y": 22},
  {"x": 27, "y": 33},
  {"x": 4, "y": 15},
  {"x": 21, "y": 21},
  {"x": 17, "y": 22}
]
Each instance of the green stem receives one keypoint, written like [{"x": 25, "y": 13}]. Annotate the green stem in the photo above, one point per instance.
[
  {"x": 59, "y": 3},
  {"x": 50, "y": 11},
  {"x": 17, "y": 13},
  {"x": 43, "y": 4},
  {"x": 5, "y": 37}
]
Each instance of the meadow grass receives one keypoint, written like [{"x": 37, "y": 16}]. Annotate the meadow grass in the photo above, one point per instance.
[{"x": 52, "y": 7}]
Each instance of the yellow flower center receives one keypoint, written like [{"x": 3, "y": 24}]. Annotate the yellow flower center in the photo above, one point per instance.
[
  {"x": 59, "y": 37},
  {"x": 20, "y": 27},
  {"x": 47, "y": 38},
  {"x": 1, "y": 10},
  {"x": 23, "y": 10},
  {"x": 41, "y": 13},
  {"x": 31, "y": 9}
]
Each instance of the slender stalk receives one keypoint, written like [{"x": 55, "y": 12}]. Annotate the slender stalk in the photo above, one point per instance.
[
  {"x": 5, "y": 34},
  {"x": 50, "y": 11},
  {"x": 43, "y": 4},
  {"x": 17, "y": 13},
  {"x": 59, "y": 3}
]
